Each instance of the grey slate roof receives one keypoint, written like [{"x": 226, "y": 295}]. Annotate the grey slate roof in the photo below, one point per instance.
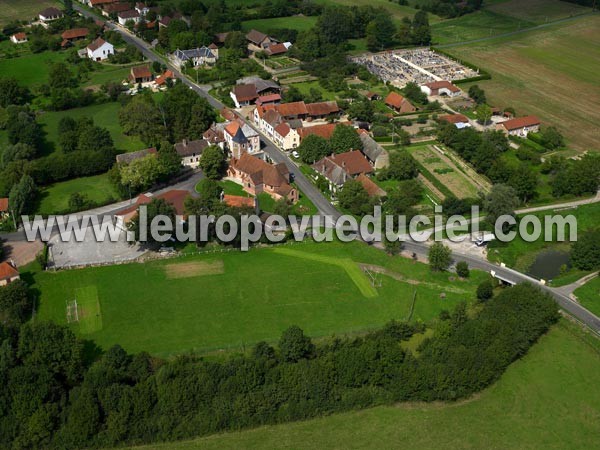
[
  {"x": 188, "y": 148},
  {"x": 371, "y": 149},
  {"x": 202, "y": 52}
]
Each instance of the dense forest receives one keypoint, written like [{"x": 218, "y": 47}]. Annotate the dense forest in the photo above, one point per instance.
[{"x": 61, "y": 392}]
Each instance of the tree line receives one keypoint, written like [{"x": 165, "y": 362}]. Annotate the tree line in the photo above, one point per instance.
[{"x": 60, "y": 392}]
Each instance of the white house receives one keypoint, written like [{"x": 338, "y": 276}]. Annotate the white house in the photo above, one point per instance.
[
  {"x": 241, "y": 138},
  {"x": 198, "y": 56},
  {"x": 190, "y": 152},
  {"x": 286, "y": 137},
  {"x": 520, "y": 126},
  {"x": 49, "y": 14},
  {"x": 18, "y": 38},
  {"x": 99, "y": 50},
  {"x": 125, "y": 16},
  {"x": 441, "y": 88}
]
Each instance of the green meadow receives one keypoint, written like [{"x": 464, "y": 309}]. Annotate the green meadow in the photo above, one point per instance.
[
  {"x": 31, "y": 69},
  {"x": 546, "y": 400},
  {"x": 105, "y": 115},
  {"x": 177, "y": 305}
]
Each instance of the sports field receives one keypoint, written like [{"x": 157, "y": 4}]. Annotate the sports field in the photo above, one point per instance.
[
  {"x": 105, "y": 115},
  {"x": 552, "y": 73},
  {"x": 545, "y": 400},
  {"x": 23, "y": 9},
  {"x": 232, "y": 300}
]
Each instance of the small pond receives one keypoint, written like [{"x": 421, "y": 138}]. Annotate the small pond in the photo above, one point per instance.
[{"x": 547, "y": 264}]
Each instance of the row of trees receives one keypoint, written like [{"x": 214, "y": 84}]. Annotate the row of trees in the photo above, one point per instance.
[{"x": 52, "y": 396}]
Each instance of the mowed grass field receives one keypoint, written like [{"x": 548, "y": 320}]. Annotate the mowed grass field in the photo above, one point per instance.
[
  {"x": 503, "y": 16},
  {"x": 396, "y": 11},
  {"x": 300, "y": 23},
  {"x": 54, "y": 199},
  {"x": 254, "y": 296},
  {"x": 589, "y": 295},
  {"x": 31, "y": 69},
  {"x": 551, "y": 73},
  {"x": 105, "y": 115},
  {"x": 11, "y": 10},
  {"x": 548, "y": 399}
]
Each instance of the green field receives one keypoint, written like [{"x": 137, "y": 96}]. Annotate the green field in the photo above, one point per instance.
[
  {"x": 520, "y": 254},
  {"x": 54, "y": 199},
  {"x": 300, "y": 23},
  {"x": 551, "y": 73},
  {"x": 23, "y": 9},
  {"x": 173, "y": 306},
  {"x": 396, "y": 11},
  {"x": 31, "y": 69},
  {"x": 306, "y": 86},
  {"x": 104, "y": 73},
  {"x": 589, "y": 295},
  {"x": 105, "y": 115},
  {"x": 548, "y": 400},
  {"x": 537, "y": 11}
]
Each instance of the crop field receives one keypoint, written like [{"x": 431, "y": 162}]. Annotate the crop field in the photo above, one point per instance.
[
  {"x": 551, "y": 73},
  {"x": 31, "y": 69},
  {"x": 445, "y": 171},
  {"x": 300, "y": 23},
  {"x": 544, "y": 400},
  {"x": 230, "y": 300},
  {"x": 537, "y": 11},
  {"x": 105, "y": 115},
  {"x": 22, "y": 9},
  {"x": 54, "y": 199}
]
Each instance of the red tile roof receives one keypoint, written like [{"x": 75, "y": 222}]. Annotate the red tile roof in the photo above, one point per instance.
[
  {"x": 20, "y": 36},
  {"x": 141, "y": 72},
  {"x": 7, "y": 271},
  {"x": 282, "y": 129},
  {"x": 245, "y": 92},
  {"x": 454, "y": 118},
  {"x": 74, "y": 33},
  {"x": 268, "y": 99},
  {"x": 276, "y": 49},
  {"x": 442, "y": 84},
  {"x": 394, "y": 99},
  {"x": 261, "y": 172},
  {"x": 352, "y": 162},
  {"x": 324, "y": 131},
  {"x": 4, "y": 204},
  {"x": 96, "y": 44},
  {"x": 101, "y": 2},
  {"x": 372, "y": 189},
  {"x": 162, "y": 79},
  {"x": 322, "y": 108},
  {"x": 227, "y": 114},
  {"x": 521, "y": 122},
  {"x": 292, "y": 109}
]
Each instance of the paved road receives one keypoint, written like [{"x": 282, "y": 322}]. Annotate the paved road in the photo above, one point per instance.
[{"x": 326, "y": 208}]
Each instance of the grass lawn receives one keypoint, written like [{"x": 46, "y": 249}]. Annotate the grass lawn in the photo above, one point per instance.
[
  {"x": 23, "y": 9},
  {"x": 300, "y": 23},
  {"x": 306, "y": 86},
  {"x": 551, "y": 73},
  {"x": 105, "y": 73},
  {"x": 520, "y": 254},
  {"x": 545, "y": 400},
  {"x": 589, "y": 295},
  {"x": 105, "y": 115},
  {"x": 31, "y": 69},
  {"x": 179, "y": 305},
  {"x": 54, "y": 199}
]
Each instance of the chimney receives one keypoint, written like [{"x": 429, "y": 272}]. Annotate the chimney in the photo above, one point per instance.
[{"x": 185, "y": 142}]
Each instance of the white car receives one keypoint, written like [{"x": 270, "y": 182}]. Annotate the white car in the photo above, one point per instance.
[{"x": 295, "y": 154}]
